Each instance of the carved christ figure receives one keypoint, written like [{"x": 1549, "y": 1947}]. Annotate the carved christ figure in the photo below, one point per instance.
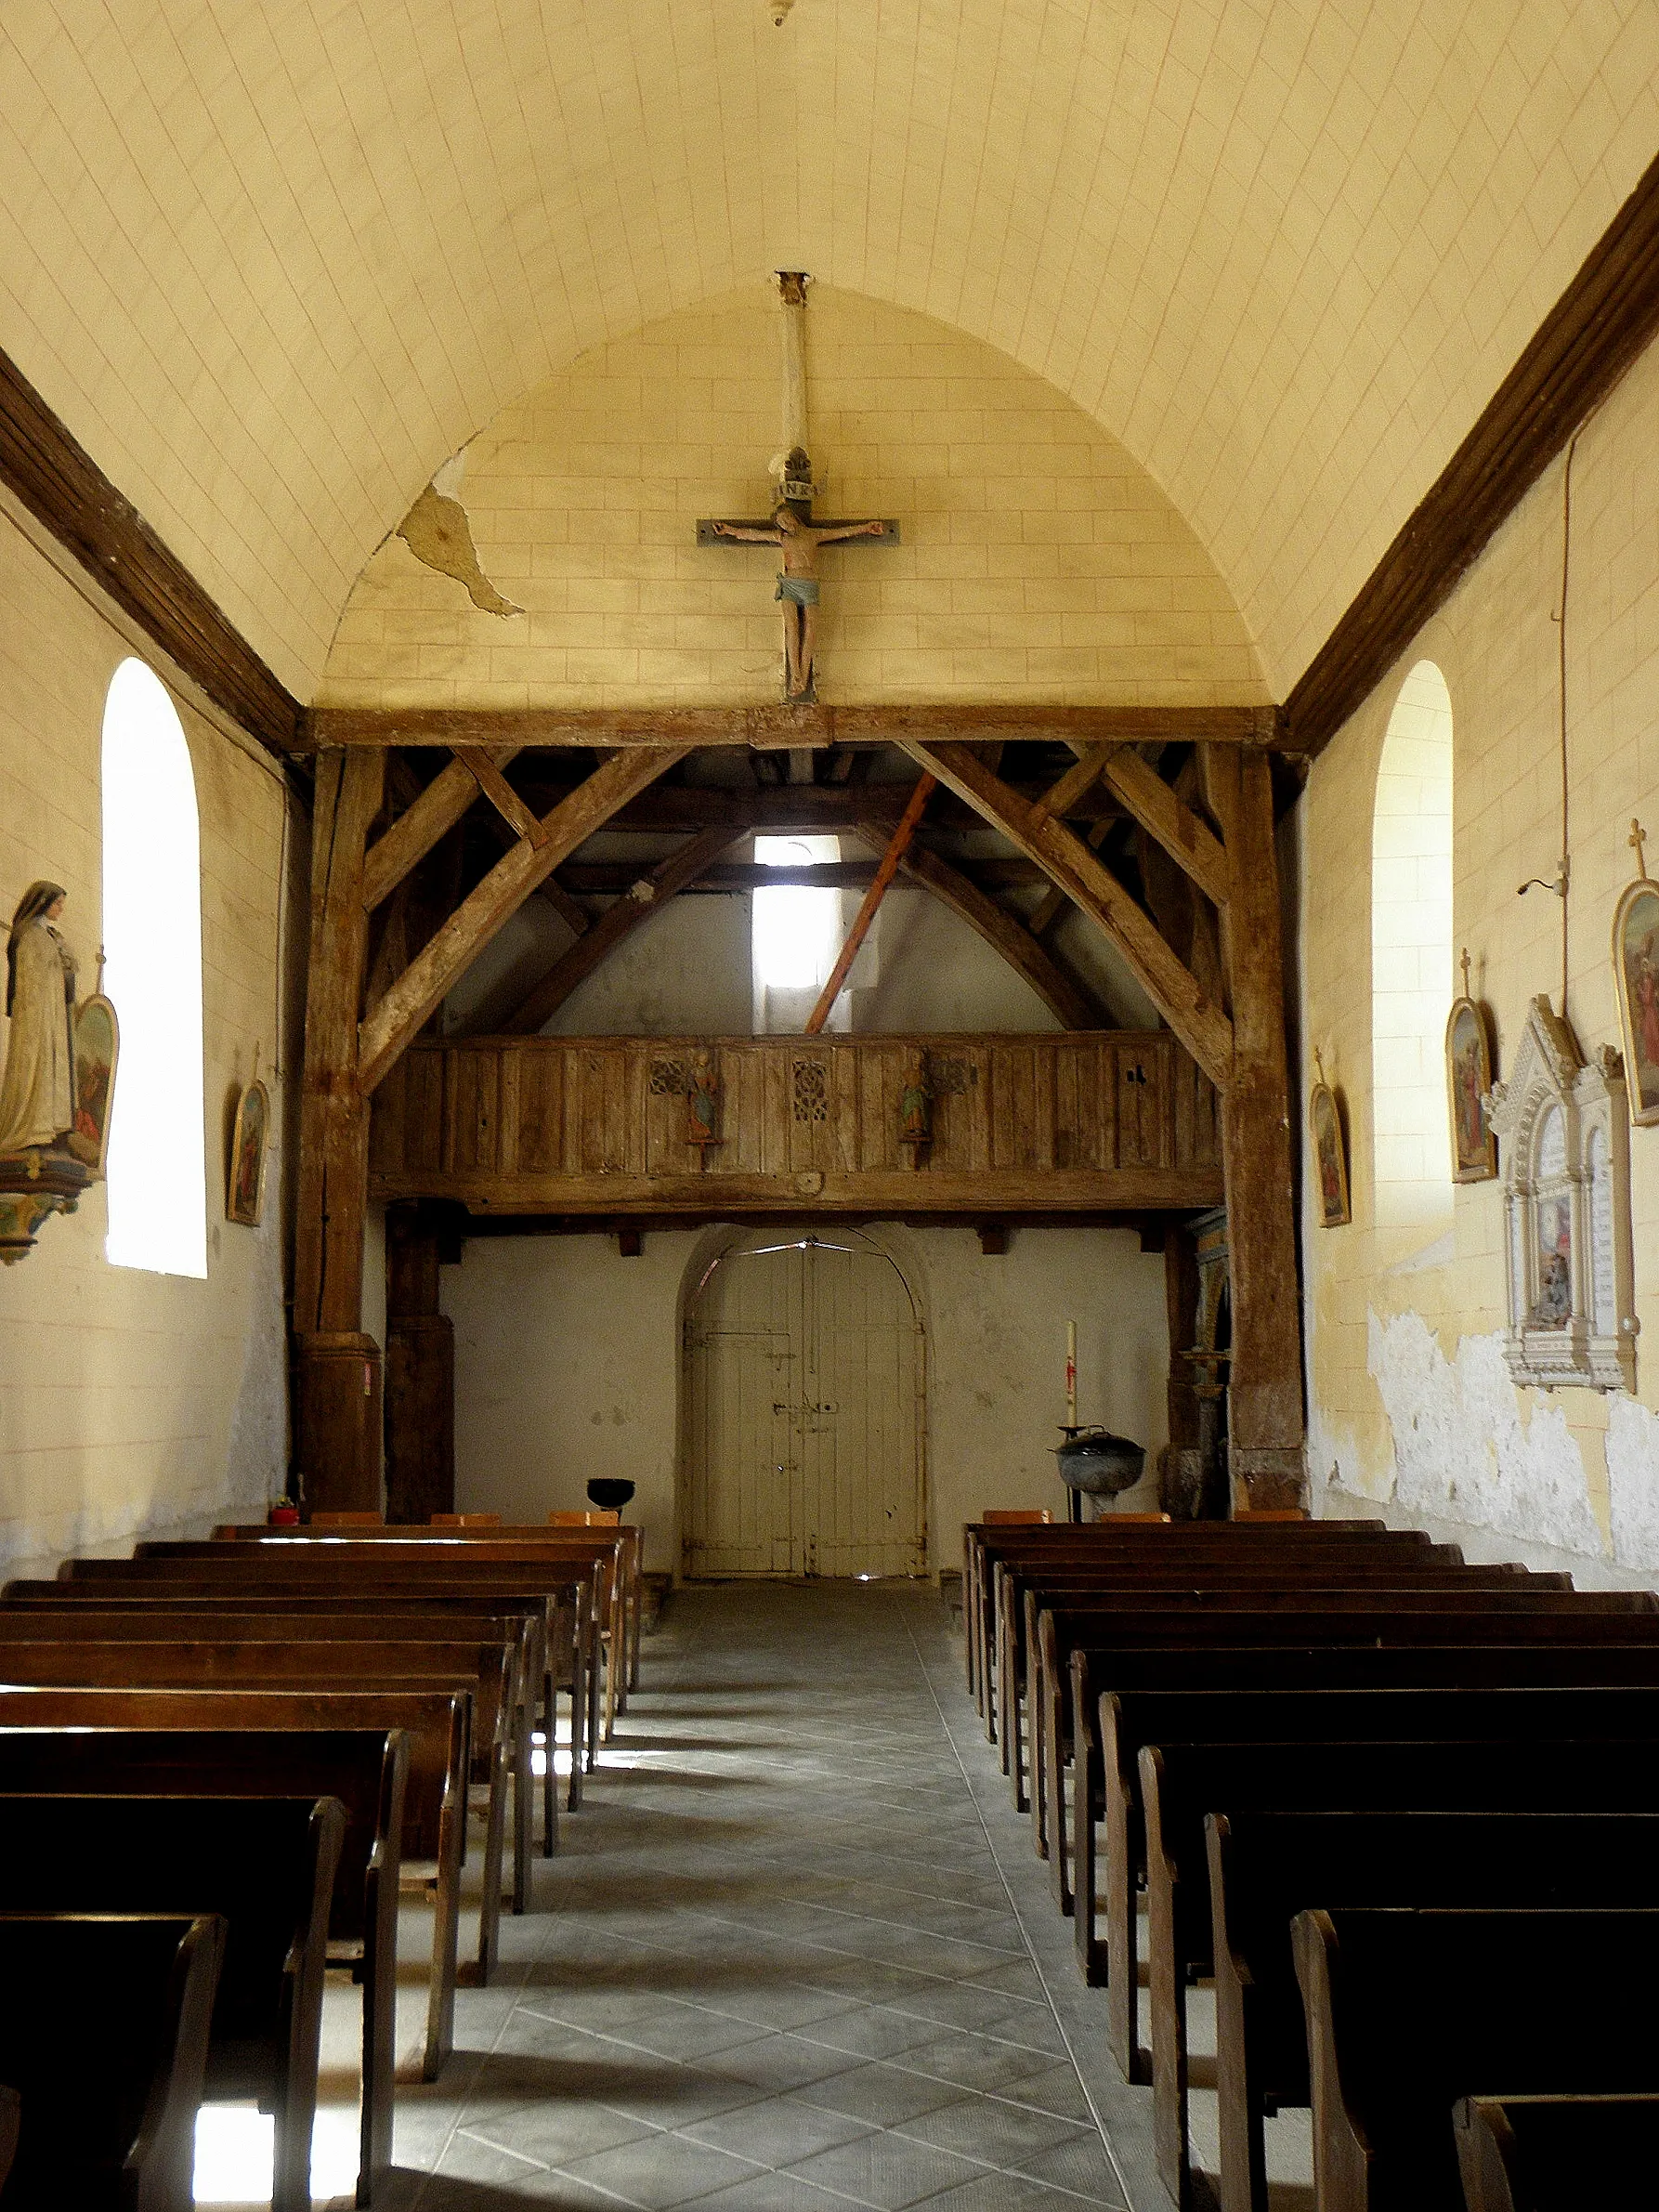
[{"x": 798, "y": 538}]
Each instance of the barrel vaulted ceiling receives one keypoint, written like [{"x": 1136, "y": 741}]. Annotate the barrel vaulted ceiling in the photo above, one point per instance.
[{"x": 273, "y": 260}]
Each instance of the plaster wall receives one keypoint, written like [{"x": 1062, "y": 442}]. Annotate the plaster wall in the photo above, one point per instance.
[
  {"x": 1036, "y": 558},
  {"x": 1410, "y": 1399},
  {"x": 568, "y": 1366},
  {"x": 133, "y": 1403}
]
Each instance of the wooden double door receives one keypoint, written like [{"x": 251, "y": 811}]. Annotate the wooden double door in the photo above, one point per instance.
[{"x": 804, "y": 1393}]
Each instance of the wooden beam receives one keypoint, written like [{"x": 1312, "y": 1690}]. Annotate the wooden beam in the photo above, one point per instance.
[
  {"x": 866, "y": 1194},
  {"x": 609, "y": 879},
  {"x": 1067, "y": 862},
  {"x": 1605, "y": 318},
  {"x": 433, "y": 815},
  {"x": 1264, "y": 1394},
  {"x": 1078, "y": 780},
  {"x": 887, "y": 869},
  {"x": 390, "y": 1024},
  {"x": 1002, "y": 931},
  {"x": 789, "y": 728},
  {"x": 500, "y": 792},
  {"x": 1164, "y": 814},
  {"x": 55, "y": 478},
  {"x": 577, "y": 962},
  {"x": 573, "y": 916}
]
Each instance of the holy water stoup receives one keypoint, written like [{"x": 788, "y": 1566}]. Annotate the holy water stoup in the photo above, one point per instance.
[{"x": 791, "y": 525}]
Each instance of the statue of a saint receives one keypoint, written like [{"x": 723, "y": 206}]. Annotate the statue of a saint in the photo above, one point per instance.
[
  {"x": 37, "y": 1095},
  {"x": 702, "y": 1101},
  {"x": 916, "y": 1102}
]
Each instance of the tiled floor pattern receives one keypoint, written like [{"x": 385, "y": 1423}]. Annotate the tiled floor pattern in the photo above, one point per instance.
[{"x": 780, "y": 1965}]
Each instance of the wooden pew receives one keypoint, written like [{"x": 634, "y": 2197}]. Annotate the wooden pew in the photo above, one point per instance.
[
  {"x": 1117, "y": 1807},
  {"x": 294, "y": 1627},
  {"x": 565, "y": 1585},
  {"x": 985, "y": 1549},
  {"x": 435, "y": 1613},
  {"x": 1323, "y": 1585},
  {"x": 432, "y": 1723},
  {"x": 472, "y": 1669},
  {"x": 1265, "y": 1866},
  {"x": 1364, "y": 1615},
  {"x": 1552, "y": 2154},
  {"x": 11, "y": 2105},
  {"x": 365, "y": 1770},
  {"x": 1409, "y": 2011},
  {"x": 266, "y": 1865},
  {"x": 144, "y": 2042}
]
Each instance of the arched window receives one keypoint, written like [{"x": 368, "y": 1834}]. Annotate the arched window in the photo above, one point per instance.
[
  {"x": 1411, "y": 956},
  {"x": 152, "y": 942}
]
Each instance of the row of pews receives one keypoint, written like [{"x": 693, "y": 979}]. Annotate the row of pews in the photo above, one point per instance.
[
  {"x": 225, "y": 1766},
  {"x": 1403, "y": 1811}
]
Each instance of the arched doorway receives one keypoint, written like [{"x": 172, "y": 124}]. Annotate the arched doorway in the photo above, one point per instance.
[{"x": 804, "y": 1398}]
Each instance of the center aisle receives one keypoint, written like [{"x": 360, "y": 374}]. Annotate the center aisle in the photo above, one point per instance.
[{"x": 785, "y": 1965}]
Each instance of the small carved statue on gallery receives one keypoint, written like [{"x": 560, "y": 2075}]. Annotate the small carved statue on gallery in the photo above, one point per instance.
[{"x": 37, "y": 1095}]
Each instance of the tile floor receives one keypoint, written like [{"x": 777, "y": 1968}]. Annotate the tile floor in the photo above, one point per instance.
[{"x": 796, "y": 1953}]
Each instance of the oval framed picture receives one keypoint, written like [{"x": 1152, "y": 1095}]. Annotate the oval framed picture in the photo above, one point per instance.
[
  {"x": 1330, "y": 1157},
  {"x": 98, "y": 1048},
  {"x": 1469, "y": 1078},
  {"x": 244, "y": 1199},
  {"x": 1636, "y": 968}
]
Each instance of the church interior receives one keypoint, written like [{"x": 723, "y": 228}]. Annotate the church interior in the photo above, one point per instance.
[{"x": 831, "y": 1045}]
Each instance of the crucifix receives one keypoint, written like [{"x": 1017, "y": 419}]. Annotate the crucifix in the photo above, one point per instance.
[{"x": 791, "y": 525}]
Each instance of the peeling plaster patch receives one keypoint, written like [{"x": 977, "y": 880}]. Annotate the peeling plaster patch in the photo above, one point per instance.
[
  {"x": 1463, "y": 1450},
  {"x": 1633, "y": 1482},
  {"x": 435, "y": 530}
]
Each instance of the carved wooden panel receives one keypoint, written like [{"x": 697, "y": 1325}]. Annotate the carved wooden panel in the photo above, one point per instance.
[{"x": 1065, "y": 1123}]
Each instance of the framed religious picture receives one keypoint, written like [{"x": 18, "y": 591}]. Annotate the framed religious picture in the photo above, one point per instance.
[
  {"x": 1469, "y": 1078},
  {"x": 1636, "y": 967},
  {"x": 1330, "y": 1158},
  {"x": 98, "y": 1047},
  {"x": 244, "y": 1201}
]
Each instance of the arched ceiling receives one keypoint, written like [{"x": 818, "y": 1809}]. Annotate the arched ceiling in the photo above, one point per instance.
[{"x": 272, "y": 263}]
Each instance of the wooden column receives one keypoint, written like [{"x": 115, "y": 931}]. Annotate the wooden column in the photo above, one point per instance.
[
  {"x": 1267, "y": 1445},
  {"x": 419, "y": 1373},
  {"x": 336, "y": 1367}
]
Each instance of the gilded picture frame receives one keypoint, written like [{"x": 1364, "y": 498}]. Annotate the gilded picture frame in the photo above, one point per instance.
[
  {"x": 1330, "y": 1158},
  {"x": 245, "y": 1194},
  {"x": 1635, "y": 971},
  {"x": 1469, "y": 1078}
]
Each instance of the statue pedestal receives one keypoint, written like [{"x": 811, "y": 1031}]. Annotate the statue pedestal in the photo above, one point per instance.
[
  {"x": 337, "y": 1421},
  {"x": 33, "y": 1185}
]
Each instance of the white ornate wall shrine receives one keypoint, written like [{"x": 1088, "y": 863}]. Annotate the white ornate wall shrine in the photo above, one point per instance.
[{"x": 1566, "y": 1173}]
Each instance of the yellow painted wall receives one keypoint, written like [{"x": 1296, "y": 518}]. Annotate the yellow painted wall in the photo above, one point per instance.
[
  {"x": 130, "y": 1401},
  {"x": 1038, "y": 560},
  {"x": 1406, "y": 1373}
]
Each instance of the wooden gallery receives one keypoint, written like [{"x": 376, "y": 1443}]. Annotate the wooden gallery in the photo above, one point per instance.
[{"x": 831, "y": 1042}]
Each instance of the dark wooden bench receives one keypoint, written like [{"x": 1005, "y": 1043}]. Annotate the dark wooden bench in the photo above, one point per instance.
[
  {"x": 1114, "y": 1817},
  {"x": 987, "y": 1542},
  {"x": 1358, "y": 1618},
  {"x": 1325, "y": 1587},
  {"x": 436, "y": 1613},
  {"x": 475, "y": 1669},
  {"x": 11, "y": 2106},
  {"x": 432, "y": 1723},
  {"x": 563, "y": 1589},
  {"x": 266, "y": 1865},
  {"x": 1409, "y": 2011},
  {"x": 365, "y": 1770},
  {"x": 124, "y": 2002},
  {"x": 1221, "y": 1544},
  {"x": 1552, "y": 2154},
  {"x": 294, "y": 1627},
  {"x": 1265, "y": 1867}
]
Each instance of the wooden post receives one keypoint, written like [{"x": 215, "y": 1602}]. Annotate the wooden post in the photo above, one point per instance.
[
  {"x": 888, "y": 867},
  {"x": 337, "y": 1377},
  {"x": 1266, "y": 1437},
  {"x": 419, "y": 1373}
]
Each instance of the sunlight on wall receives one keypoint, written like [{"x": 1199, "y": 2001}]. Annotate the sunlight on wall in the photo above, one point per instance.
[
  {"x": 1411, "y": 957},
  {"x": 153, "y": 938},
  {"x": 797, "y": 936}
]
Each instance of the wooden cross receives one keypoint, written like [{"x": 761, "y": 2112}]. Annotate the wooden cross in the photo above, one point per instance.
[
  {"x": 1464, "y": 964},
  {"x": 1637, "y": 839},
  {"x": 791, "y": 525}
]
